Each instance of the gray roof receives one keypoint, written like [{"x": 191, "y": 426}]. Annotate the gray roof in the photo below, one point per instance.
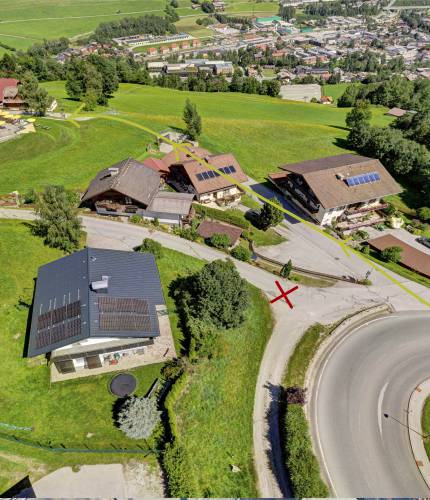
[
  {"x": 171, "y": 203},
  {"x": 132, "y": 275},
  {"x": 128, "y": 177}
]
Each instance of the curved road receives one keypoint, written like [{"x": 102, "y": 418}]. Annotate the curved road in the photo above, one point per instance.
[{"x": 370, "y": 372}]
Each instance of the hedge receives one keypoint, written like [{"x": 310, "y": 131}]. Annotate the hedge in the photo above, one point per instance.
[
  {"x": 181, "y": 480},
  {"x": 301, "y": 462},
  {"x": 231, "y": 215}
]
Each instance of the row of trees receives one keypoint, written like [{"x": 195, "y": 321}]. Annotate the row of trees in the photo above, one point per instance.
[
  {"x": 400, "y": 154},
  {"x": 216, "y": 83},
  {"x": 150, "y": 24},
  {"x": 341, "y": 8},
  {"x": 397, "y": 91}
]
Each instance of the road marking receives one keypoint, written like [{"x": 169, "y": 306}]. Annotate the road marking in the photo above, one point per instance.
[
  {"x": 250, "y": 191},
  {"x": 380, "y": 399}
]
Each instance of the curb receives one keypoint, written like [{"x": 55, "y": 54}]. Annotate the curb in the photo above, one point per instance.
[
  {"x": 341, "y": 332},
  {"x": 415, "y": 409}
]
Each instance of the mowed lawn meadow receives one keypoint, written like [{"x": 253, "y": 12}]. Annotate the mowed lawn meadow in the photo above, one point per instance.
[{"x": 262, "y": 132}]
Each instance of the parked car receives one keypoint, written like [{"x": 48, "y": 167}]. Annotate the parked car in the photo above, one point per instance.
[{"x": 424, "y": 241}]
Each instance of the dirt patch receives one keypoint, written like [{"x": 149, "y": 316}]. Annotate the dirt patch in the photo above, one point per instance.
[{"x": 143, "y": 480}]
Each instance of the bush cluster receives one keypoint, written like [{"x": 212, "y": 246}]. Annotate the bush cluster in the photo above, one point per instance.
[{"x": 301, "y": 462}]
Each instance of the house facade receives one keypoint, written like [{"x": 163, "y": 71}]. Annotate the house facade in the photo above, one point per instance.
[
  {"x": 9, "y": 95},
  {"x": 346, "y": 189},
  {"x": 132, "y": 187},
  {"x": 189, "y": 175},
  {"x": 96, "y": 309}
]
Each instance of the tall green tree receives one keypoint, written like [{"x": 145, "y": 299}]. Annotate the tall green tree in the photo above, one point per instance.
[
  {"x": 219, "y": 295},
  {"x": 57, "y": 219},
  {"x": 359, "y": 115},
  {"x": 270, "y": 215},
  {"x": 192, "y": 120},
  {"x": 38, "y": 99},
  {"x": 171, "y": 14}
]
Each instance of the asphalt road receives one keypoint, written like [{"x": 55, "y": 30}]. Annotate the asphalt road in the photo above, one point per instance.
[{"x": 370, "y": 372}]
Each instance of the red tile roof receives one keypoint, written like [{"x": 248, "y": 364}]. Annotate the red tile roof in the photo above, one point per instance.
[{"x": 157, "y": 165}]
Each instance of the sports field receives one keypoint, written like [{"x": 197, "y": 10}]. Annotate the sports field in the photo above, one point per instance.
[
  {"x": 262, "y": 132},
  {"x": 24, "y": 22}
]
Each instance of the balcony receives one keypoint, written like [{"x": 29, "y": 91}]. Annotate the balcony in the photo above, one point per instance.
[{"x": 364, "y": 209}]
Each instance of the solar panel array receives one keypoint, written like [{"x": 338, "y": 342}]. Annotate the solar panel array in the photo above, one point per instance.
[
  {"x": 210, "y": 174},
  {"x": 58, "y": 324},
  {"x": 356, "y": 180},
  {"x": 124, "y": 314}
]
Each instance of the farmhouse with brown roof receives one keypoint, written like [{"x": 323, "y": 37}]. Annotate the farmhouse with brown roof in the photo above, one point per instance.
[
  {"x": 9, "y": 96},
  {"x": 207, "y": 185},
  {"x": 347, "y": 188},
  {"x": 131, "y": 187}
]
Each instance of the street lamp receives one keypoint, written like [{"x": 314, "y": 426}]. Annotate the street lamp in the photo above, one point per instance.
[{"x": 407, "y": 426}]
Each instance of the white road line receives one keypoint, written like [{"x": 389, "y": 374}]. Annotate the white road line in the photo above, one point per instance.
[{"x": 380, "y": 399}]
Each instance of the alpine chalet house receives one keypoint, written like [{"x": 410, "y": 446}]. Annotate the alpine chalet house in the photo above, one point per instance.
[
  {"x": 347, "y": 189},
  {"x": 99, "y": 310},
  {"x": 9, "y": 96},
  {"x": 131, "y": 187},
  {"x": 188, "y": 175}
]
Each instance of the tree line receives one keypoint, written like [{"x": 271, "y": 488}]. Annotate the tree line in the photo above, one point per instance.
[
  {"x": 341, "y": 8},
  {"x": 396, "y": 146},
  {"x": 148, "y": 24},
  {"x": 397, "y": 91}
]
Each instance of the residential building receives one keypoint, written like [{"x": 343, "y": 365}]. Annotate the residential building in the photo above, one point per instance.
[
  {"x": 190, "y": 176},
  {"x": 131, "y": 187},
  {"x": 9, "y": 96},
  {"x": 345, "y": 188},
  {"x": 97, "y": 310}
]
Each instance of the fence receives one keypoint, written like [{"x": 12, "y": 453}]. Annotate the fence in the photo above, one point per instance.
[
  {"x": 308, "y": 272},
  {"x": 64, "y": 449}
]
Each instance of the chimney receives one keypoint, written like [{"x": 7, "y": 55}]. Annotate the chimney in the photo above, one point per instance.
[{"x": 100, "y": 286}]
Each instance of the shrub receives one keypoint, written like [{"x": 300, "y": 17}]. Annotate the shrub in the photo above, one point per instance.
[
  {"x": 424, "y": 213},
  {"x": 286, "y": 269},
  {"x": 138, "y": 417},
  {"x": 188, "y": 233},
  {"x": 270, "y": 215},
  {"x": 30, "y": 197},
  {"x": 301, "y": 462},
  {"x": 392, "y": 254},
  {"x": 135, "y": 219},
  {"x": 390, "y": 210},
  {"x": 360, "y": 235},
  {"x": 241, "y": 253},
  {"x": 295, "y": 395},
  {"x": 181, "y": 480},
  {"x": 365, "y": 249},
  {"x": 221, "y": 241},
  {"x": 151, "y": 246}
]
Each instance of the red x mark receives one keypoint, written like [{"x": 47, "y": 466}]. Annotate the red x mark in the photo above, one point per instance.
[{"x": 284, "y": 294}]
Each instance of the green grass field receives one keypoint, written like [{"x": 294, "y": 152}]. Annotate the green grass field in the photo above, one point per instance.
[
  {"x": 262, "y": 132},
  {"x": 25, "y": 22},
  {"x": 214, "y": 412}
]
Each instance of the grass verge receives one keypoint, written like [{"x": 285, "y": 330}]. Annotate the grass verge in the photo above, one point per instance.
[
  {"x": 301, "y": 463},
  {"x": 425, "y": 425}
]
